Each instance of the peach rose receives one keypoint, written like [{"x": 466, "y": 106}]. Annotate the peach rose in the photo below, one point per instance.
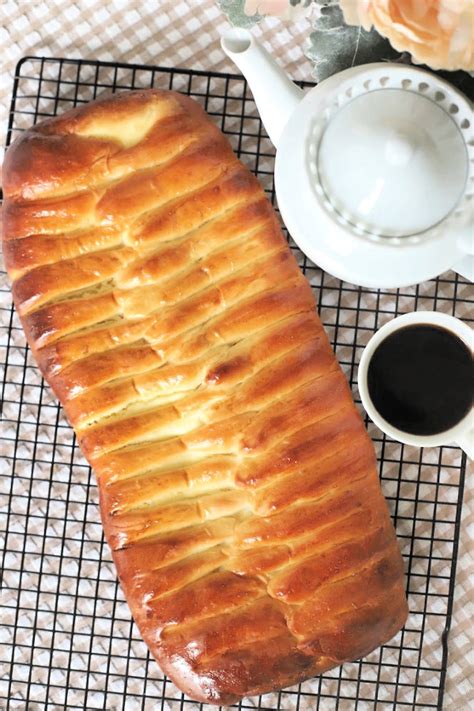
[{"x": 439, "y": 33}]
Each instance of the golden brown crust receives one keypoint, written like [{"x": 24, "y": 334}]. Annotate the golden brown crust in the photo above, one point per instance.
[{"x": 238, "y": 486}]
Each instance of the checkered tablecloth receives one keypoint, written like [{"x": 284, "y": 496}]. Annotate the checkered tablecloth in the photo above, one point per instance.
[{"x": 186, "y": 34}]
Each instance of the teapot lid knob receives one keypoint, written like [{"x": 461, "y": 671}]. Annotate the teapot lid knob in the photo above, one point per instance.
[{"x": 399, "y": 148}]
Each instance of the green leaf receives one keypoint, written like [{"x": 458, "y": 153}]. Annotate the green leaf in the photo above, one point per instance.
[
  {"x": 335, "y": 46},
  {"x": 234, "y": 9}
]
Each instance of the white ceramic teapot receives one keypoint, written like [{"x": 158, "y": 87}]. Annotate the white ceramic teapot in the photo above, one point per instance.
[{"x": 374, "y": 170}]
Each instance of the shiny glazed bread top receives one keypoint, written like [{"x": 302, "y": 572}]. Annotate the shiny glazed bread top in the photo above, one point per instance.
[{"x": 238, "y": 487}]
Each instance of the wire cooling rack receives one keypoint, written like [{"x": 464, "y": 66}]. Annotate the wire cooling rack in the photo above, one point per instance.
[{"x": 67, "y": 638}]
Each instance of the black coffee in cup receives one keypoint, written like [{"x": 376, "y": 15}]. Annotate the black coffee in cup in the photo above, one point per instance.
[{"x": 420, "y": 379}]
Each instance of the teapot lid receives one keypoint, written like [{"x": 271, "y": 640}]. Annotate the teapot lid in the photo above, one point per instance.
[{"x": 392, "y": 162}]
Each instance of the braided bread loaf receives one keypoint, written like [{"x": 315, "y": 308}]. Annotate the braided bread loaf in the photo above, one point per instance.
[{"x": 238, "y": 487}]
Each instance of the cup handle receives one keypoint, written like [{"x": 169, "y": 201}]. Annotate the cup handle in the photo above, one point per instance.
[{"x": 466, "y": 442}]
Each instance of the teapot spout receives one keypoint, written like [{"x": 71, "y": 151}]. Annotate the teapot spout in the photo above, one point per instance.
[{"x": 275, "y": 94}]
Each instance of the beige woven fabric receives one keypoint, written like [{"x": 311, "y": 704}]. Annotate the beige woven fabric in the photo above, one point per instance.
[
  {"x": 186, "y": 34},
  {"x": 170, "y": 33}
]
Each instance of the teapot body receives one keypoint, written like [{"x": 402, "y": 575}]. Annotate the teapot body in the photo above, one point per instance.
[
  {"x": 374, "y": 167},
  {"x": 327, "y": 236}
]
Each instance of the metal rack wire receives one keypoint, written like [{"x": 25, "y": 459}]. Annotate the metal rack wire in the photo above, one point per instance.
[{"x": 68, "y": 639}]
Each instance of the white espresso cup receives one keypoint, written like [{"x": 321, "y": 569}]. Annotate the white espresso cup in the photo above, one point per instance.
[{"x": 462, "y": 434}]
